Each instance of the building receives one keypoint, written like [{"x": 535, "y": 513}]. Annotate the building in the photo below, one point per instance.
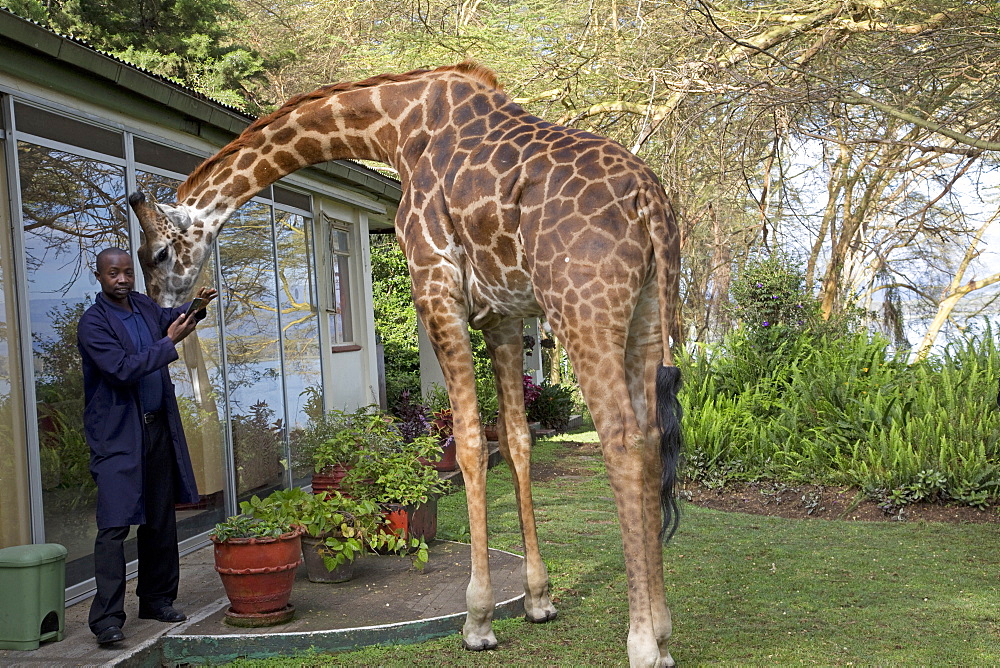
[{"x": 291, "y": 335}]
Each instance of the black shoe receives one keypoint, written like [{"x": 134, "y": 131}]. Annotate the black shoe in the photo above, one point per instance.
[
  {"x": 110, "y": 635},
  {"x": 165, "y": 614}
]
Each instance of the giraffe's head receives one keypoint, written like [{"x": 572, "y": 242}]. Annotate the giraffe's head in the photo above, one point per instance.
[{"x": 173, "y": 249}]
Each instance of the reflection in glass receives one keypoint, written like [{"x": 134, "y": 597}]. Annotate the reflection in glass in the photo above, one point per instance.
[
  {"x": 73, "y": 207},
  {"x": 15, "y": 524},
  {"x": 300, "y": 326},
  {"x": 198, "y": 382},
  {"x": 250, "y": 307}
]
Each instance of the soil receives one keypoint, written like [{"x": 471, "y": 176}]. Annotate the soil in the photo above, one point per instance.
[{"x": 791, "y": 500}]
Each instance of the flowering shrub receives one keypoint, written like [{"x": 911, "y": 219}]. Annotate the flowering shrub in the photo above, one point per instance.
[
  {"x": 531, "y": 392},
  {"x": 770, "y": 292},
  {"x": 413, "y": 420}
]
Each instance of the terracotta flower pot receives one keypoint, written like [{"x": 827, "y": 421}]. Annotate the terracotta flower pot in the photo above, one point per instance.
[
  {"x": 329, "y": 479},
  {"x": 449, "y": 458},
  {"x": 413, "y": 521},
  {"x": 491, "y": 432},
  {"x": 316, "y": 570},
  {"x": 258, "y": 573}
]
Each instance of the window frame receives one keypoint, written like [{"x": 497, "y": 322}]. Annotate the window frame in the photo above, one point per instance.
[{"x": 333, "y": 310}]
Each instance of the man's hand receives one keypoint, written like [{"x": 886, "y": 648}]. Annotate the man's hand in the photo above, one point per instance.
[
  {"x": 208, "y": 294},
  {"x": 185, "y": 323},
  {"x": 181, "y": 327},
  {"x": 201, "y": 300}
]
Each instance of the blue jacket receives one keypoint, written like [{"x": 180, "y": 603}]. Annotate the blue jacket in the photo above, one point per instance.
[{"x": 112, "y": 417}]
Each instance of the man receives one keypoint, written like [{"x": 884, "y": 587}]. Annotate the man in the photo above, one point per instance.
[{"x": 138, "y": 455}]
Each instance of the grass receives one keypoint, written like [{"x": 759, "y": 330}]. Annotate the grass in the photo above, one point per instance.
[{"x": 742, "y": 589}]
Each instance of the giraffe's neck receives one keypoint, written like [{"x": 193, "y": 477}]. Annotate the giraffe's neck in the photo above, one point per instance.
[{"x": 360, "y": 124}]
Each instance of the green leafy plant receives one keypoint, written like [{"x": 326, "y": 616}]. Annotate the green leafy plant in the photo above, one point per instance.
[
  {"x": 847, "y": 410},
  {"x": 342, "y": 437},
  {"x": 553, "y": 406},
  {"x": 396, "y": 475},
  {"x": 486, "y": 396},
  {"x": 348, "y": 527},
  {"x": 436, "y": 399},
  {"x": 248, "y": 526}
]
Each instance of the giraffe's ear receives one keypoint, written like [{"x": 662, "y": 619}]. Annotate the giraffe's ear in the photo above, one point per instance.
[{"x": 178, "y": 217}]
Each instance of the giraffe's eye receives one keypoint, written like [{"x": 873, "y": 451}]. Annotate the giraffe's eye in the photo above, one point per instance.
[{"x": 161, "y": 256}]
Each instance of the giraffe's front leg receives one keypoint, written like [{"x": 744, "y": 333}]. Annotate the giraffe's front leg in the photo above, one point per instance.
[
  {"x": 449, "y": 335},
  {"x": 477, "y": 632},
  {"x": 505, "y": 344}
]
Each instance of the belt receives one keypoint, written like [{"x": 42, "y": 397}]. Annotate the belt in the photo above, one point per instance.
[{"x": 151, "y": 416}]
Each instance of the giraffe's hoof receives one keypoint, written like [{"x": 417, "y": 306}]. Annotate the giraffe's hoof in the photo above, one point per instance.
[
  {"x": 479, "y": 645},
  {"x": 542, "y": 616}
]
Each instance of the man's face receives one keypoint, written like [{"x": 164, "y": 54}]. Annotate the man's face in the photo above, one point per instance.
[{"x": 116, "y": 276}]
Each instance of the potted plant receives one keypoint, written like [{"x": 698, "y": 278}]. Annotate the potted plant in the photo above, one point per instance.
[
  {"x": 394, "y": 476},
  {"x": 531, "y": 393},
  {"x": 256, "y": 555},
  {"x": 441, "y": 427},
  {"x": 338, "y": 530},
  {"x": 552, "y": 407},
  {"x": 486, "y": 396},
  {"x": 335, "y": 441},
  {"x": 414, "y": 420}
]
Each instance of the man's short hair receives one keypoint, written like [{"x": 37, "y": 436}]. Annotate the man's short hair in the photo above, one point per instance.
[{"x": 109, "y": 253}]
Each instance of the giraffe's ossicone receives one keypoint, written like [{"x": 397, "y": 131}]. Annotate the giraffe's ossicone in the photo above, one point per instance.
[{"x": 503, "y": 216}]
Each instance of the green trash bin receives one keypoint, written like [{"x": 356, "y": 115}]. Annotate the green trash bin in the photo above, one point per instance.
[{"x": 32, "y": 595}]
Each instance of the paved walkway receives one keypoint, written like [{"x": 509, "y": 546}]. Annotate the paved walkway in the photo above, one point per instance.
[{"x": 387, "y": 601}]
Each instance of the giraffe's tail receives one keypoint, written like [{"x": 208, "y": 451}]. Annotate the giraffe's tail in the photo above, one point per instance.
[
  {"x": 666, "y": 253},
  {"x": 668, "y": 414}
]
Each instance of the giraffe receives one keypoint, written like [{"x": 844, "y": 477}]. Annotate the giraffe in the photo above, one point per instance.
[{"x": 503, "y": 217}]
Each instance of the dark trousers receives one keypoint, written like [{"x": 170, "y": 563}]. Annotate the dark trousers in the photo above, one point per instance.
[{"x": 159, "y": 562}]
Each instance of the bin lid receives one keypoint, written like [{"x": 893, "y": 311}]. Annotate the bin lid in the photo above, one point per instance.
[{"x": 21, "y": 556}]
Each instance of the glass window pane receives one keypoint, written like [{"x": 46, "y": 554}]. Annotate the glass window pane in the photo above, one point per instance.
[
  {"x": 300, "y": 326},
  {"x": 292, "y": 198},
  {"x": 250, "y": 307},
  {"x": 15, "y": 525},
  {"x": 67, "y": 130},
  {"x": 164, "y": 157},
  {"x": 344, "y": 330},
  {"x": 72, "y": 208},
  {"x": 198, "y": 382},
  {"x": 340, "y": 241}
]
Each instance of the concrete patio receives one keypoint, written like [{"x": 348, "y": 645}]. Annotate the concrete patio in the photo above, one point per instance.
[{"x": 386, "y": 602}]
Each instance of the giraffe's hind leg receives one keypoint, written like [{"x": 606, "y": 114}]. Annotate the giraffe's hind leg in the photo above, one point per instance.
[
  {"x": 601, "y": 371},
  {"x": 644, "y": 351},
  {"x": 505, "y": 343}
]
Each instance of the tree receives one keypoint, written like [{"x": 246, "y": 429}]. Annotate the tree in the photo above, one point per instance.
[
  {"x": 850, "y": 133},
  {"x": 191, "y": 41}
]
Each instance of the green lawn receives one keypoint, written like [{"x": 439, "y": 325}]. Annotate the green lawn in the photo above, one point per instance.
[{"x": 743, "y": 589}]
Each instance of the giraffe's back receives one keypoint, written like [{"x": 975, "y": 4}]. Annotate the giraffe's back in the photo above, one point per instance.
[{"x": 544, "y": 213}]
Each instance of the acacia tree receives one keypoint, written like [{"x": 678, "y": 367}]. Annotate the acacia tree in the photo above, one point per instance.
[
  {"x": 894, "y": 156},
  {"x": 852, "y": 132}
]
